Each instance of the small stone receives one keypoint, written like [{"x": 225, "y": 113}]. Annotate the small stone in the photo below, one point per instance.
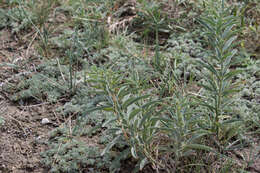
[{"x": 45, "y": 121}]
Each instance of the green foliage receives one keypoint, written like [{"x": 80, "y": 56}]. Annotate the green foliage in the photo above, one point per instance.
[
  {"x": 26, "y": 14},
  {"x": 67, "y": 154},
  {"x": 153, "y": 20},
  {"x": 14, "y": 18},
  {"x": 2, "y": 121},
  {"x": 145, "y": 124},
  {"x": 180, "y": 113},
  {"x": 40, "y": 86},
  {"x": 130, "y": 112},
  {"x": 39, "y": 89},
  {"x": 218, "y": 79}
]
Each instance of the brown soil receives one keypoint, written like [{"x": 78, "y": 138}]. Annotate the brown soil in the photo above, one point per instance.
[
  {"x": 22, "y": 136},
  {"x": 21, "y": 140}
]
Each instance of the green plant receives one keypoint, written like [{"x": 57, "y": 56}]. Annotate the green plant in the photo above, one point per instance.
[
  {"x": 37, "y": 13},
  {"x": 2, "y": 121},
  {"x": 154, "y": 20},
  {"x": 67, "y": 154},
  {"x": 157, "y": 131},
  {"x": 73, "y": 55},
  {"x": 48, "y": 84},
  {"x": 90, "y": 15},
  {"x": 179, "y": 124},
  {"x": 128, "y": 109},
  {"x": 15, "y": 18},
  {"x": 250, "y": 156},
  {"x": 221, "y": 34},
  {"x": 149, "y": 113}
]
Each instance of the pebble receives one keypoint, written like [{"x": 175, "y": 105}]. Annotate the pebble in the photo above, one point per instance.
[{"x": 45, "y": 121}]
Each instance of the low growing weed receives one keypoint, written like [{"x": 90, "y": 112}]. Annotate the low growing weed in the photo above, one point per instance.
[{"x": 68, "y": 154}]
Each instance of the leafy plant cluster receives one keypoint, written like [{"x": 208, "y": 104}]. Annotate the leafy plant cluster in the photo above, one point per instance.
[
  {"x": 166, "y": 130},
  {"x": 177, "y": 106},
  {"x": 67, "y": 154},
  {"x": 45, "y": 85},
  {"x": 25, "y": 14}
]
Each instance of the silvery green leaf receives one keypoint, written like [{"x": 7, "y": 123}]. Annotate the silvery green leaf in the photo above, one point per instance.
[
  {"x": 133, "y": 152},
  {"x": 143, "y": 163},
  {"x": 228, "y": 43},
  {"x": 110, "y": 145}
]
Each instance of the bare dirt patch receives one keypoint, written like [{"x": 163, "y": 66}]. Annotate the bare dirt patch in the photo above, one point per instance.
[{"x": 23, "y": 138}]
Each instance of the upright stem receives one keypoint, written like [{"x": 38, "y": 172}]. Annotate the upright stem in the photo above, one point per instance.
[
  {"x": 157, "y": 56},
  {"x": 70, "y": 69}
]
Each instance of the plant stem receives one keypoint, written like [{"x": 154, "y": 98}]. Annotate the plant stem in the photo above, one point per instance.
[{"x": 157, "y": 55}]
